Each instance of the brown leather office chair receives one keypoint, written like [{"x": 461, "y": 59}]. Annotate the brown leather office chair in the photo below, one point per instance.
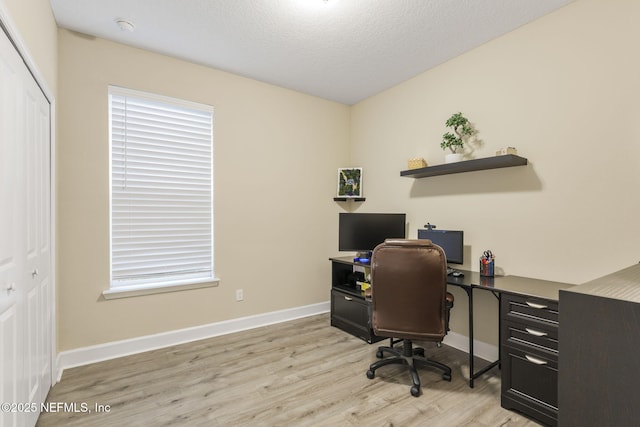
[{"x": 409, "y": 301}]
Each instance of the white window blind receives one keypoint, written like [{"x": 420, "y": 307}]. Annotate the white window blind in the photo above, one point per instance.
[{"x": 161, "y": 190}]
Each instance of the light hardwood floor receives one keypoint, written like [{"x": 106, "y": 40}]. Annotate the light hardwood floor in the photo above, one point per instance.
[{"x": 299, "y": 373}]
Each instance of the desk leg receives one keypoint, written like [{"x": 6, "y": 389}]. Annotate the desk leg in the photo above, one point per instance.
[
  {"x": 470, "y": 298},
  {"x": 472, "y": 374},
  {"x": 469, "y": 290}
]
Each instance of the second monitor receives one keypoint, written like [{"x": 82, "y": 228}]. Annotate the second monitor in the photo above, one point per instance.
[{"x": 451, "y": 241}]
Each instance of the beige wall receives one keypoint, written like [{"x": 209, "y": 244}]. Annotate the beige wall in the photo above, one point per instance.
[
  {"x": 37, "y": 28},
  {"x": 564, "y": 91},
  {"x": 276, "y": 155}
]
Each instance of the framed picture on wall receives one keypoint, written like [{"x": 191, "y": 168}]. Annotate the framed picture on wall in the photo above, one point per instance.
[{"x": 350, "y": 182}]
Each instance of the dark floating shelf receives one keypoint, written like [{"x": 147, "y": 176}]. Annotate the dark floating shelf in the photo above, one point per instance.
[
  {"x": 506, "y": 161},
  {"x": 344, "y": 199}
]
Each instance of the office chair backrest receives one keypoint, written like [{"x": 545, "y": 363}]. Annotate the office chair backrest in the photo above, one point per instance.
[{"x": 408, "y": 289}]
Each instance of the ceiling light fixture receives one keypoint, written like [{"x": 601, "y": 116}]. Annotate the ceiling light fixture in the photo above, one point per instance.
[{"x": 125, "y": 25}]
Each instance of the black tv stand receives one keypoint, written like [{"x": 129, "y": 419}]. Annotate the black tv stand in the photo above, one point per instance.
[{"x": 350, "y": 308}]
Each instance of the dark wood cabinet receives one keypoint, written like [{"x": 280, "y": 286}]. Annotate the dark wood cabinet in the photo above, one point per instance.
[
  {"x": 529, "y": 356},
  {"x": 350, "y": 310},
  {"x": 600, "y": 344}
]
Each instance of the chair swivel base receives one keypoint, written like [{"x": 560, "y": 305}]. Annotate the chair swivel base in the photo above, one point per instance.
[
  {"x": 410, "y": 358},
  {"x": 391, "y": 348}
]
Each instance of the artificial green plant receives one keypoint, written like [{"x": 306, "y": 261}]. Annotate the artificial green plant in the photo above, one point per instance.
[{"x": 462, "y": 129}]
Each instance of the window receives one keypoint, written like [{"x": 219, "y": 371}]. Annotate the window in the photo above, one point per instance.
[{"x": 161, "y": 191}]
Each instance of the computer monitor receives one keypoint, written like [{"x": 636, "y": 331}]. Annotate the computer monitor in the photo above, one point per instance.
[
  {"x": 451, "y": 241},
  {"x": 362, "y": 232}
]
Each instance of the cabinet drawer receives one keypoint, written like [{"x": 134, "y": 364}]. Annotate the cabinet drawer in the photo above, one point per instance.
[
  {"x": 350, "y": 308},
  {"x": 536, "y": 335},
  {"x": 519, "y": 307},
  {"x": 530, "y": 378},
  {"x": 352, "y": 314}
]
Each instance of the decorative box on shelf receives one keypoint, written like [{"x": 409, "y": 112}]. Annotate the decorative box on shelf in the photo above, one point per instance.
[
  {"x": 417, "y": 163},
  {"x": 508, "y": 150}
]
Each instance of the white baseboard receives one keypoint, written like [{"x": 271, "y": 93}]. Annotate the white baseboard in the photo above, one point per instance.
[
  {"x": 480, "y": 349},
  {"x": 115, "y": 349}
]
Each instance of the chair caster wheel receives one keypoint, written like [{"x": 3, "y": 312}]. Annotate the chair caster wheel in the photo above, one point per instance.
[
  {"x": 415, "y": 391},
  {"x": 379, "y": 354},
  {"x": 419, "y": 352},
  {"x": 370, "y": 374},
  {"x": 446, "y": 377}
]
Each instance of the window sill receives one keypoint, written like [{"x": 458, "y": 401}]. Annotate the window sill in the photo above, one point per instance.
[{"x": 148, "y": 289}]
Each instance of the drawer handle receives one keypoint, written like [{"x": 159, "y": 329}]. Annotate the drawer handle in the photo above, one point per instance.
[
  {"x": 348, "y": 298},
  {"x": 535, "y": 333},
  {"x": 534, "y": 305},
  {"x": 535, "y": 360}
]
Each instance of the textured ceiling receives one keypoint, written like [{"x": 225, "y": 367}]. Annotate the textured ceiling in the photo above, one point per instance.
[{"x": 342, "y": 50}]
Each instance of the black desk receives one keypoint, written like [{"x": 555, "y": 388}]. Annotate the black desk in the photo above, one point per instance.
[
  {"x": 350, "y": 312},
  {"x": 498, "y": 285}
]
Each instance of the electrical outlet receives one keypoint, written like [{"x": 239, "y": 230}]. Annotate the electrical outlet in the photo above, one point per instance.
[{"x": 239, "y": 294}]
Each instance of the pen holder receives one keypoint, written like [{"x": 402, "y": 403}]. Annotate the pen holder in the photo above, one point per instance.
[{"x": 487, "y": 266}]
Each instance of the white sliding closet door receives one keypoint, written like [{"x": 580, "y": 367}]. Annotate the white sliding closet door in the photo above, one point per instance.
[
  {"x": 25, "y": 236},
  {"x": 37, "y": 253},
  {"x": 11, "y": 264}
]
